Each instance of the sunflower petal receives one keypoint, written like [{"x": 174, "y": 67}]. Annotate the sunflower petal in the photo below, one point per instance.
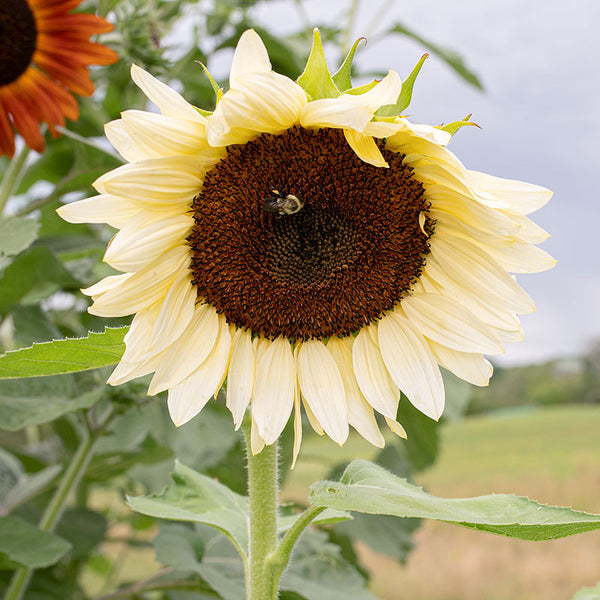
[
  {"x": 240, "y": 380},
  {"x": 274, "y": 389},
  {"x": 322, "y": 388}
]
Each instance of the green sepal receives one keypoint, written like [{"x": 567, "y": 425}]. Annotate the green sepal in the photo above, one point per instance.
[
  {"x": 453, "y": 127},
  {"x": 395, "y": 110},
  {"x": 316, "y": 80},
  {"x": 341, "y": 78},
  {"x": 215, "y": 86},
  {"x": 361, "y": 89}
]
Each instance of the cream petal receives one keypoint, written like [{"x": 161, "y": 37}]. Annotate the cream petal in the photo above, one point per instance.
[
  {"x": 380, "y": 129},
  {"x": 144, "y": 238},
  {"x": 365, "y": 148},
  {"x": 122, "y": 142},
  {"x": 411, "y": 130},
  {"x": 396, "y": 428},
  {"x": 240, "y": 379},
  {"x": 167, "y": 99},
  {"x": 250, "y": 56},
  {"x": 189, "y": 397},
  {"x": 411, "y": 364},
  {"x": 523, "y": 197},
  {"x": 469, "y": 366},
  {"x": 176, "y": 312},
  {"x": 297, "y": 426},
  {"x": 259, "y": 103},
  {"x": 385, "y": 92},
  {"x": 189, "y": 350},
  {"x": 169, "y": 180},
  {"x": 360, "y": 413},
  {"x": 475, "y": 270},
  {"x": 105, "y": 285},
  {"x": 162, "y": 136},
  {"x": 113, "y": 210},
  {"x": 352, "y": 111},
  {"x": 491, "y": 310},
  {"x": 126, "y": 371},
  {"x": 256, "y": 442},
  {"x": 143, "y": 288},
  {"x": 521, "y": 257},
  {"x": 322, "y": 388},
  {"x": 137, "y": 339},
  {"x": 372, "y": 376},
  {"x": 528, "y": 230},
  {"x": 338, "y": 113},
  {"x": 274, "y": 389},
  {"x": 314, "y": 422},
  {"x": 447, "y": 322},
  {"x": 468, "y": 209}
]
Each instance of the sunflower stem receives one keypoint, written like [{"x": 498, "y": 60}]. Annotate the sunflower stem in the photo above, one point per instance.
[
  {"x": 12, "y": 177},
  {"x": 54, "y": 510},
  {"x": 263, "y": 484}
]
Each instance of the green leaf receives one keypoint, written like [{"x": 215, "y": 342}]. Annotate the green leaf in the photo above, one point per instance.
[
  {"x": 368, "y": 488},
  {"x": 35, "y": 400},
  {"x": 17, "y": 234},
  {"x": 319, "y": 571},
  {"x": 200, "y": 499},
  {"x": 23, "y": 545},
  {"x": 394, "y": 110},
  {"x": 588, "y": 593},
  {"x": 327, "y": 517},
  {"x": 84, "y": 529},
  {"x": 70, "y": 355},
  {"x": 341, "y": 78},
  {"x": 17, "y": 487},
  {"x": 35, "y": 274},
  {"x": 205, "y": 552},
  {"x": 104, "y": 466},
  {"x": 316, "y": 80},
  {"x": 450, "y": 57}
]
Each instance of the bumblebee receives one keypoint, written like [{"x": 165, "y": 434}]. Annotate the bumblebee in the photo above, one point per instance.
[{"x": 282, "y": 204}]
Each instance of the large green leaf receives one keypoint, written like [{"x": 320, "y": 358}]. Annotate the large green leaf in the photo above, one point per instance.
[
  {"x": 368, "y": 488},
  {"x": 23, "y": 545},
  {"x": 199, "y": 499},
  {"x": 38, "y": 400},
  {"x": 33, "y": 275},
  {"x": 17, "y": 234},
  {"x": 70, "y": 355}
]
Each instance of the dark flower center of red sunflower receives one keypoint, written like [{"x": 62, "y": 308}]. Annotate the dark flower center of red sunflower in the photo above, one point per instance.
[
  {"x": 18, "y": 35},
  {"x": 296, "y": 236}
]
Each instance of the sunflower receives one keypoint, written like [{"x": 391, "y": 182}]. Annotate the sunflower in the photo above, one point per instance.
[
  {"x": 312, "y": 253},
  {"x": 44, "y": 55}
]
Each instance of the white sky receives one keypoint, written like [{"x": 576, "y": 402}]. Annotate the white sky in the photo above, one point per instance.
[{"x": 540, "y": 114}]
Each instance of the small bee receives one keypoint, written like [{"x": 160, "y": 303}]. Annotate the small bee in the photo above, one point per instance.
[{"x": 282, "y": 204}]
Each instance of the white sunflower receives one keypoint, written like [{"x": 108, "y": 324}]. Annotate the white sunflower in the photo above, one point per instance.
[{"x": 308, "y": 251}]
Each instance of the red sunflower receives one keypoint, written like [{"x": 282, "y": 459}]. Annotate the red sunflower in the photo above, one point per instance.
[{"x": 45, "y": 50}]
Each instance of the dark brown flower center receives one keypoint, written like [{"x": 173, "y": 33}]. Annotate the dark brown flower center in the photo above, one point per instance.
[
  {"x": 18, "y": 35},
  {"x": 342, "y": 247}
]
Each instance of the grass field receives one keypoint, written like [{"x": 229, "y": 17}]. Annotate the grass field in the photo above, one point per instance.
[{"x": 552, "y": 455}]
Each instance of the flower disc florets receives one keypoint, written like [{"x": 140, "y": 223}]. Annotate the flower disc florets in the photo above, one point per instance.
[
  {"x": 312, "y": 251},
  {"x": 338, "y": 263}
]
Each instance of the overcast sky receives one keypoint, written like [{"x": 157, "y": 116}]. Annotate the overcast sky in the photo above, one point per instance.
[{"x": 540, "y": 122}]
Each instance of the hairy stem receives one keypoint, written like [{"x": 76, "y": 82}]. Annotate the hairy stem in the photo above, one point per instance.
[{"x": 262, "y": 490}]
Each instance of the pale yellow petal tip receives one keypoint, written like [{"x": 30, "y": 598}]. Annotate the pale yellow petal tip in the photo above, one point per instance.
[{"x": 397, "y": 428}]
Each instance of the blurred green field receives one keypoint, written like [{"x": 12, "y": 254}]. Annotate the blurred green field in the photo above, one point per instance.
[{"x": 551, "y": 454}]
